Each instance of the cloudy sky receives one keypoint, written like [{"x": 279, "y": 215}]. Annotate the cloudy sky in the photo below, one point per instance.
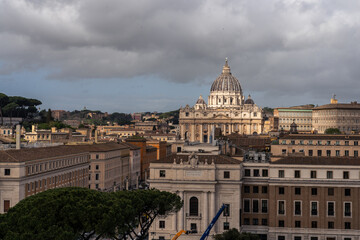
[{"x": 158, "y": 55}]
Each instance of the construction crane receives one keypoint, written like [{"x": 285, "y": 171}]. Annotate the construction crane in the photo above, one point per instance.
[
  {"x": 178, "y": 234},
  {"x": 207, "y": 231}
]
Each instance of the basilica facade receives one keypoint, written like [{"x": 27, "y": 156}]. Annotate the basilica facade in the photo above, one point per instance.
[{"x": 226, "y": 110}]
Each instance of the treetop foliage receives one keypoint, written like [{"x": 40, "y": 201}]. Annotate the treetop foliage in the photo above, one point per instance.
[
  {"x": 332, "y": 131},
  {"x": 234, "y": 234},
  {"x": 80, "y": 213}
]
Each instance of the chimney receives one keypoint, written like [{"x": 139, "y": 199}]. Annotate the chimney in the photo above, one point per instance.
[{"x": 18, "y": 134}]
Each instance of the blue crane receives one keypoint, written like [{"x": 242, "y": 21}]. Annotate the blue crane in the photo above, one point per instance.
[{"x": 207, "y": 231}]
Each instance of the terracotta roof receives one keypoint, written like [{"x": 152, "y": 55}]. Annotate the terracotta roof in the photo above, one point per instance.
[
  {"x": 321, "y": 137},
  {"x": 30, "y": 154},
  {"x": 326, "y": 161},
  {"x": 339, "y": 106},
  {"x": 218, "y": 159},
  {"x": 131, "y": 146}
]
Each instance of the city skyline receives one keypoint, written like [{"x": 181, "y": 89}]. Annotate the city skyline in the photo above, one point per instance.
[{"x": 119, "y": 56}]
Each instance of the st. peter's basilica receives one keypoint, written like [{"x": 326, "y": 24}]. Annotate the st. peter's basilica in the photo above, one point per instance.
[{"x": 227, "y": 110}]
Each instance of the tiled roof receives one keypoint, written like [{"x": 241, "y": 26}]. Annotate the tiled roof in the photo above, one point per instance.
[
  {"x": 322, "y": 137},
  {"x": 218, "y": 159},
  {"x": 131, "y": 146},
  {"x": 326, "y": 161},
  {"x": 339, "y": 106}
]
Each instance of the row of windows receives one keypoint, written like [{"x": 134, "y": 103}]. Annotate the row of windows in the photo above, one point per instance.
[
  {"x": 313, "y": 174},
  {"x": 328, "y": 152},
  {"x": 314, "y": 224},
  {"x": 162, "y": 174},
  {"x": 297, "y": 191},
  {"x": 255, "y": 221},
  {"x": 256, "y": 173},
  {"x": 264, "y": 189},
  {"x": 252, "y": 206},
  {"x": 36, "y": 168},
  {"x": 314, "y": 208},
  {"x": 281, "y": 237},
  {"x": 319, "y": 142}
]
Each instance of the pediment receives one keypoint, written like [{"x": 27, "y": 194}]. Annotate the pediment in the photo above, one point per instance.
[{"x": 221, "y": 116}]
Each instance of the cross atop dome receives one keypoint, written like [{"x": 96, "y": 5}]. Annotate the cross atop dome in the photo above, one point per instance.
[{"x": 226, "y": 68}]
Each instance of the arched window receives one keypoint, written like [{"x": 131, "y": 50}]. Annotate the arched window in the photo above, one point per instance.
[{"x": 194, "y": 206}]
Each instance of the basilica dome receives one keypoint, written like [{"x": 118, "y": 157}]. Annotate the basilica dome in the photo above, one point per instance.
[{"x": 226, "y": 82}]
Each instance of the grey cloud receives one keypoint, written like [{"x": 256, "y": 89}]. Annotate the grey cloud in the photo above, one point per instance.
[{"x": 275, "y": 47}]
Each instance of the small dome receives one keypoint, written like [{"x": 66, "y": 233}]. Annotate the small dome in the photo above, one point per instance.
[
  {"x": 226, "y": 81},
  {"x": 200, "y": 100},
  {"x": 249, "y": 100}
]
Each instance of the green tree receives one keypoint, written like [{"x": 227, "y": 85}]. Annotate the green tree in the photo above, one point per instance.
[
  {"x": 332, "y": 131},
  {"x": 147, "y": 205},
  {"x": 4, "y": 100},
  {"x": 63, "y": 213},
  {"x": 9, "y": 109},
  {"x": 234, "y": 234}
]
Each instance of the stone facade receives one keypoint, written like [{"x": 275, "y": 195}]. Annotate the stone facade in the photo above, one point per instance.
[{"x": 226, "y": 110}]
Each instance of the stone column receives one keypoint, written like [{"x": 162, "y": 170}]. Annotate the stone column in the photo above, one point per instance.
[
  {"x": 212, "y": 208},
  {"x": 205, "y": 211},
  {"x": 180, "y": 214},
  {"x": 201, "y": 133},
  {"x": 174, "y": 223},
  {"x": 192, "y": 137}
]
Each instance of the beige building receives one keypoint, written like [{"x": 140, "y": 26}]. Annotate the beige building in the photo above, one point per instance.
[
  {"x": 29, "y": 171},
  {"x": 226, "y": 110},
  {"x": 343, "y": 116},
  {"x": 109, "y": 166},
  {"x": 301, "y": 115},
  {"x": 319, "y": 145},
  {"x": 204, "y": 183}
]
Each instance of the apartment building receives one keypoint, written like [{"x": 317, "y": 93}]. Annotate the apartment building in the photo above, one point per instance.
[
  {"x": 318, "y": 145},
  {"x": 109, "y": 168},
  {"x": 285, "y": 198},
  {"x": 29, "y": 171}
]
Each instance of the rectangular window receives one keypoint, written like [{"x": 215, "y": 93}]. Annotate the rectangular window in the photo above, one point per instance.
[
  {"x": 347, "y": 225},
  {"x": 337, "y": 153},
  {"x": 347, "y": 209},
  {"x": 328, "y": 153},
  {"x": 281, "y": 174},
  {"x": 161, "y": 224},
  {"x": 226, "y": 226},
  {"x": 97, "y": 166},
  {"x": 330, "y": 225},
  {"x": 264, "y": 189},
  {"x": 226, "y": 174},
  {"x": 310, "y": 153},
  {"x": 313, "y": 224},
  {"x": 297, "y": 208},
  {"x": 345, "y": 175},
  {"x": 246, "y": 189},
  {"x": 297, "y": 174},
  {"x": 283, "y": 151},
  {"x": 255, "y": 221},
  {"x": 314, "y": 208},
  {"x": 356, "y": 153},
  {"x": 346, "y": 153},
  {"x": 226, "y": 210},
  {"x": 265, "y": 173},
  {"x": 297, "y": 191},
  {"x": 298, "y": 224},
  {"x": 337, "y": 143},
  {"x": 255, "y": 207},
  {"x": 329, "y": 174},
  {"x": 97, "y": 176},
  {"x": 330, "y": 191},
  {"x": 346, "y": 143},
  {"x": 246, "y": 205},
  {"x": 319, "y": 153},
  {"x": 246, "y": 221},
  {"x": 255, "y": 189},
  {"x": 297, "y": 238},
  {"x": 347, "y": 192},
  {"x": 264, "y": 222},
  {"x": 313, "y": 174},
  {"x": 7, "y": 172},
  {"x": 193, "y": 227},
  {"x": 281, "y": 207},
  {"x": 264, "y": 206},
  {"x": 6, "y": 205},
  {"x": 247, "y": 172},
  {"x": 281, "y": 191},
  {"x": 330, "y": 209},
  {"x": 281, "y": 223},
  {"x": 256, "y": 173},
  {"x": 162, "y": 173},
  {"x": 314, "y": 191},
  {"x": 328, "y": 142},
  {"x": 356, "y": 143}
]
